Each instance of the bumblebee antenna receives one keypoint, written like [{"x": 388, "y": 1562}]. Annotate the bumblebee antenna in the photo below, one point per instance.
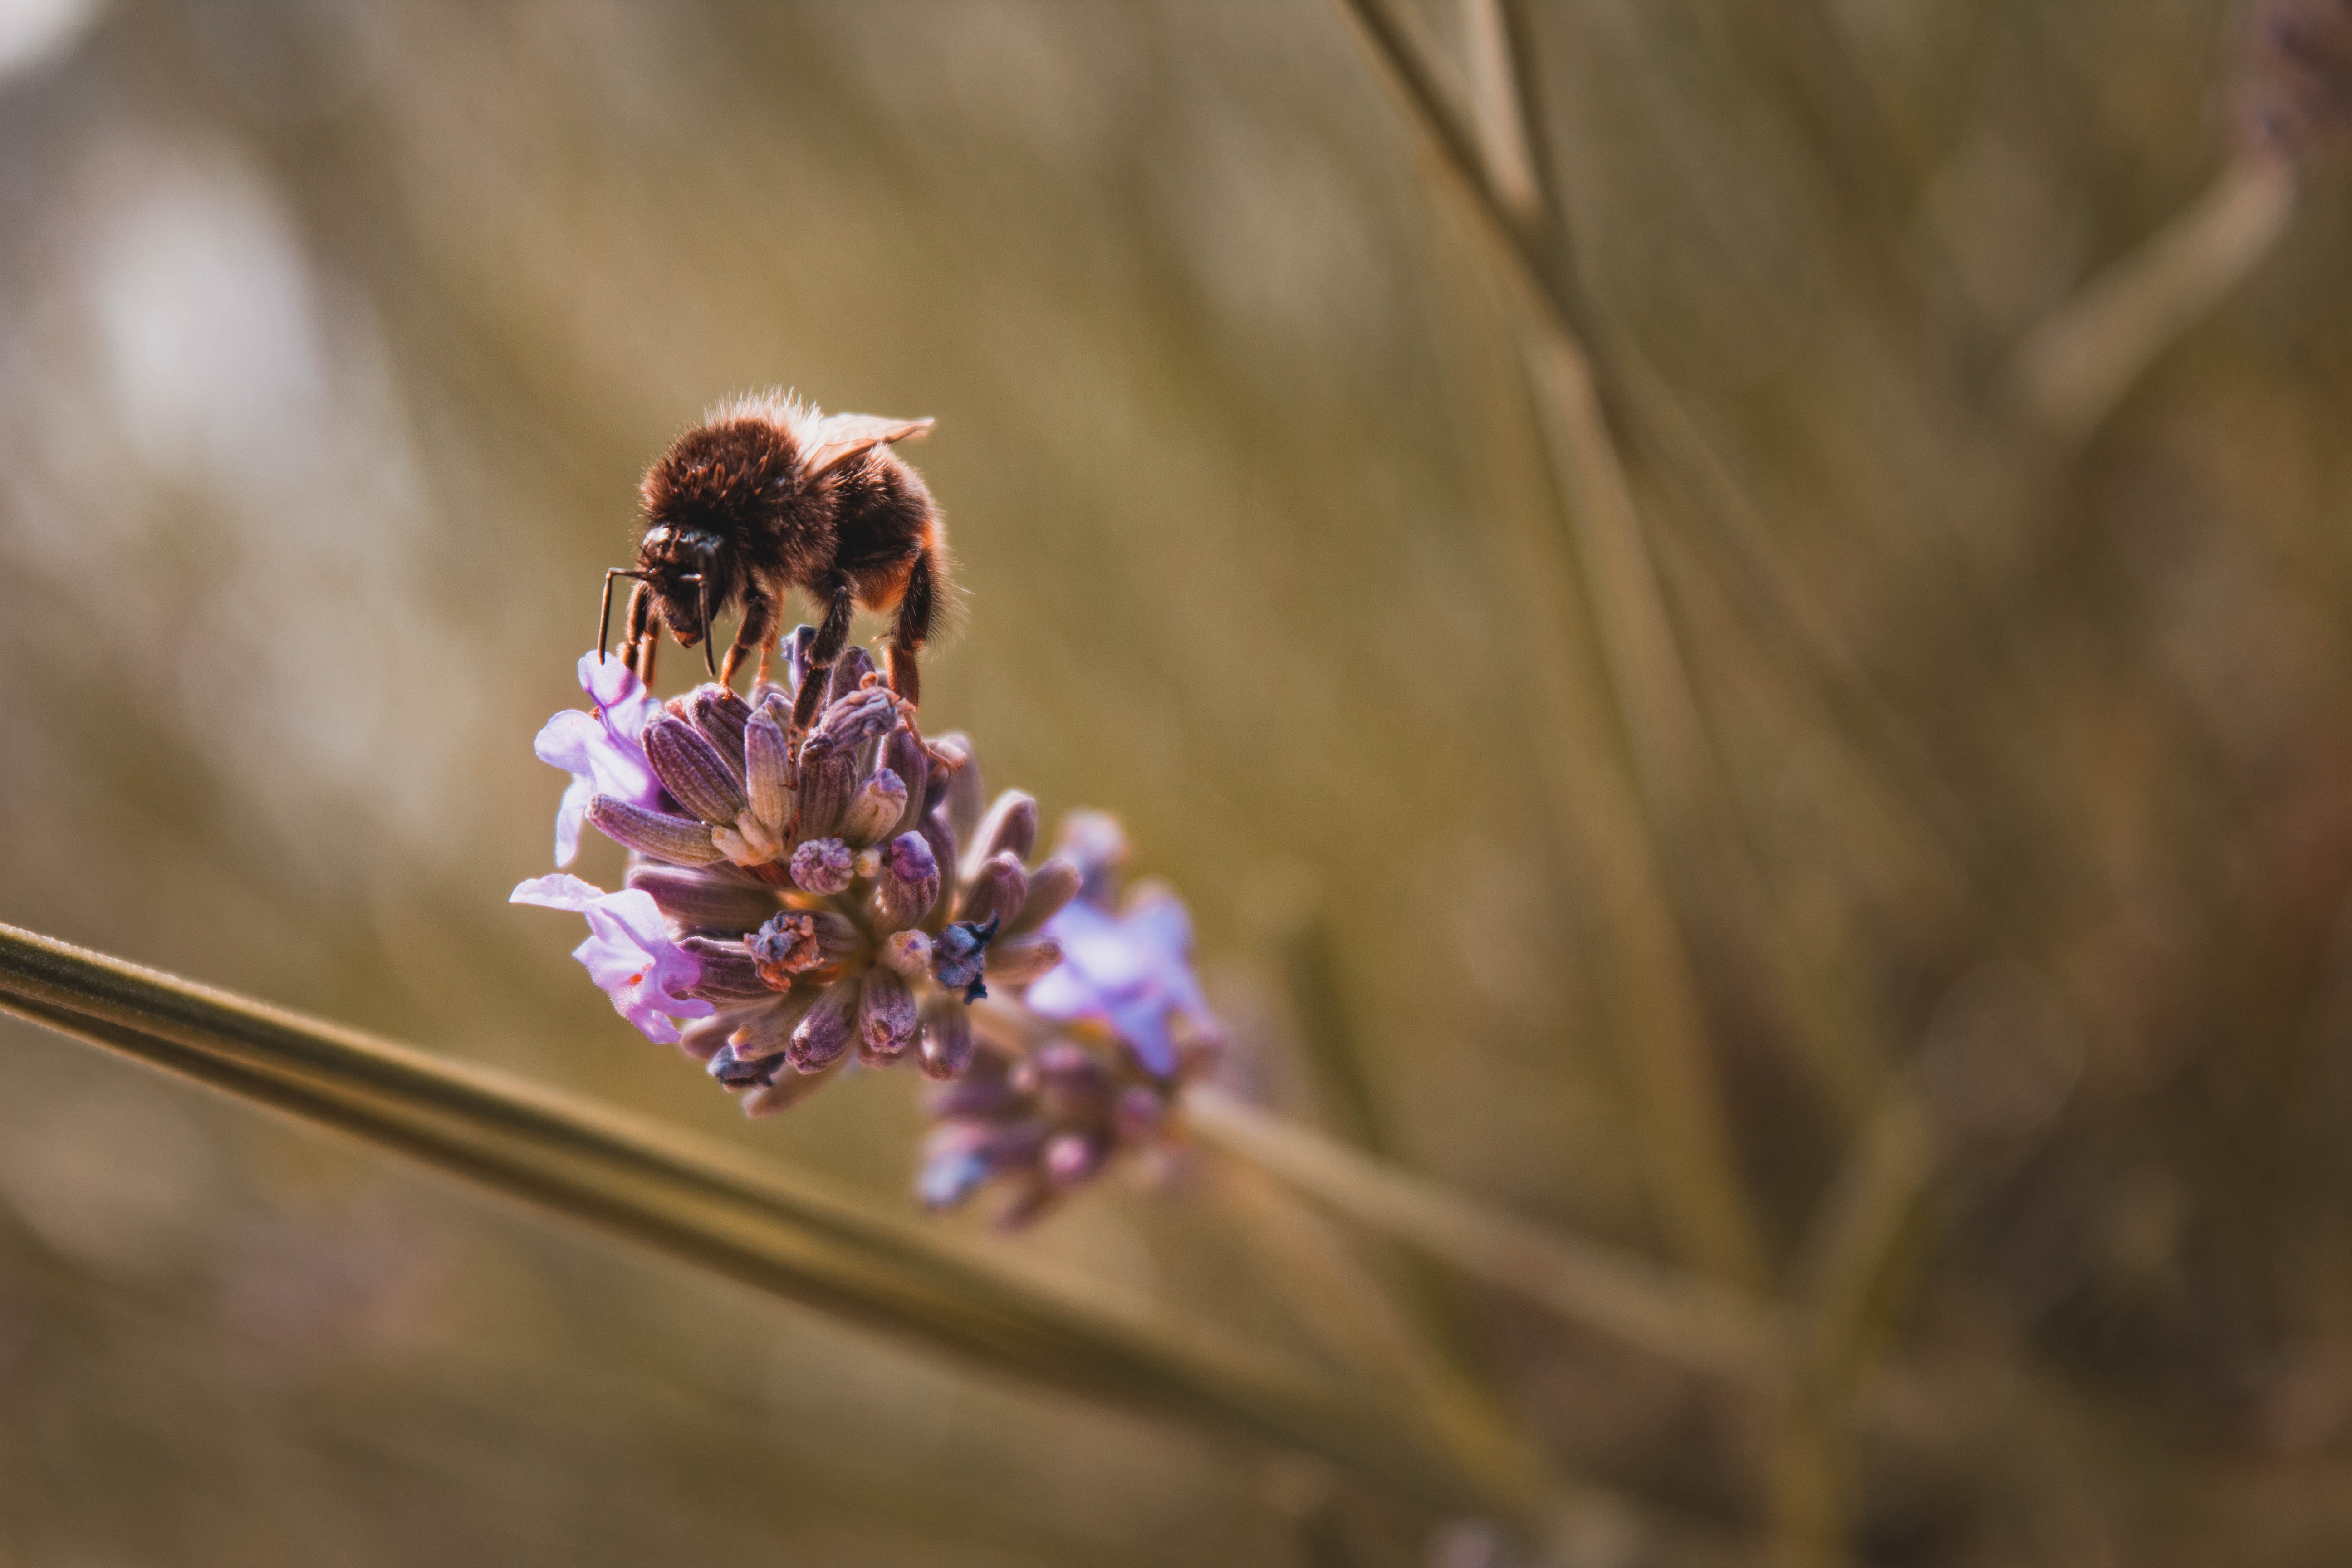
[
  {"x": 604, "y": 611},
  {"x": 710, "y": 658}
]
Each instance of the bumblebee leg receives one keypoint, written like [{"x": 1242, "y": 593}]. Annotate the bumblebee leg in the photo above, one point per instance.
[
  {"x": 910, "y": 631},
  {"x": 637, "y": 652},
  {"x": 756, "y": 632},
  {"x": 830, "y": 638}
]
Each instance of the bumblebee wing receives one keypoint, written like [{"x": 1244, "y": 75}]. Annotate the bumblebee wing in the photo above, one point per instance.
[{"x": 840, "y": 438}]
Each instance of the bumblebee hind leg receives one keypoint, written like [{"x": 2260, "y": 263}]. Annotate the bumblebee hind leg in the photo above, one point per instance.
[{"x": 911, "y": 630}]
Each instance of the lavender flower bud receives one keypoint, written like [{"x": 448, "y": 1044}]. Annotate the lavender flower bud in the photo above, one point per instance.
[
  {"x": 849, "y": 673},
  {"x": 903, "y": 754},
  {"x": 828, "y": 783},
  {"x": 692, "y": 770},
  {"x": 1010, "y": 828},
  {"x": 2295, "y": 93},
  {"x": 729, "y": 977},
  {"x": 734, "y": 1071},
  {"x": 878, "y": 807},
  {"x": 1021, "y": 960},
  {"x": 721, "y": 715},
  {"x": 995, "y": 890},
  {"x": 887, "y": 1018},
  {"x": 946, "y": 1042},
  {"x": 800, "y": 942},
  {"x": 953, "y": 1169},
  {"x": 854, "y": 717},
  {"x": 786, "y": 1091},
  {"x": 767, "y": 1030},
  {"x": 796, "y": 661},
  {"x": 1031, "y": 1203},
  {"x": 961, "y": 789},
  {"x": 1071, "y": 1158},
  {"x": 909, "y": 885},
  {"x": 906, "y": 954},
  {"x": 712, "y": 899},
  {"x": 824, "y": 1032},
  {"x": 1139, "y": 1115},
  {"x": 705, "y": 1038},
  {"x": 974, "y": 1097},
  {"x": 1072, "y": 1081},
  {"x": 958, "y": 955},
  {"x": 768, "y": 769},
  {"x": 936, "y": 833},
  {"x": 1051, "y": 888},
  {"x": 822, "y": 865},
  {"x": 675, "y": 839}
]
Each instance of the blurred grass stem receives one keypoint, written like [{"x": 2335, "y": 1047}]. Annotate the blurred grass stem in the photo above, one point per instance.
[
  {"x": 1688, "y": 1320},
  {"x": 2077, "y": 365},
  {"x": 778, "y": 1230}
]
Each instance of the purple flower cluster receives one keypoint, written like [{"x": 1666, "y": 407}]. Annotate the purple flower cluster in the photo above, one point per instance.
[
  {"x": 794, "y": 904},
  {"x": 2295, "y": 93},
  {"x": 1092, "y": 1064},
  {"x": 799, "y": 904}
]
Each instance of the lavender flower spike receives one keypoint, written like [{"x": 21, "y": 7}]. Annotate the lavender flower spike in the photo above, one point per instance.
[
  {"x": 599, "y": 749},
  {"x": 628, "y": 952}
]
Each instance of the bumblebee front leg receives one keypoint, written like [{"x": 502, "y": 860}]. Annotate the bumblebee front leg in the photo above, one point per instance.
[
  {"x": 637, "y": 652},
  {"x": 830, "y": 638},
  {"x": 758, "y": 631}
]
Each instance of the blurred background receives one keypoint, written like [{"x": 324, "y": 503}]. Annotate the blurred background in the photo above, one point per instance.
[{"x": 1938, "y": 791}]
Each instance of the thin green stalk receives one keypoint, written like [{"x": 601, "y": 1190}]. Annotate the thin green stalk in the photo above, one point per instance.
[
  {"x": 778, "y": 1230},
  {"x": 1686, "y": 1319}
]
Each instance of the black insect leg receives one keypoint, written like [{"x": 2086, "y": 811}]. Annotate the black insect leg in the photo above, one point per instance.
[
  {"x": 830, "y": 638},
  {"x": 637, "y": 652},
  {"x": 757, "y": 632},
  {"x": 911, "y": 630}
]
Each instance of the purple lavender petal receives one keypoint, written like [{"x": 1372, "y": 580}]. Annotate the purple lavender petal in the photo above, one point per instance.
[
  {"x": 1142, "y": 1023},
  {"x": 628, "y": 952},
  {"x": 599, "y": 749},
  {"x": 1127, "y": 971},
  {"x": 558, "y": 891}
]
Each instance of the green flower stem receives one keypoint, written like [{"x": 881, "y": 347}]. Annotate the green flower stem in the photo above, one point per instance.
[{"x": 778, "y": 1230}]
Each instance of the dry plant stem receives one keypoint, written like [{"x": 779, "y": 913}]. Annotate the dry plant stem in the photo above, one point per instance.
[
  {"x": 1691, "y": 1166},
  {"x": 1336, "y": 1298},
  {"x": 1887, "y": 1173},
  {"x": 1535, "y": 250},
  {"x": 1694, "y": 1171},
  {"x": 777, "y": 1230},
  {"x": 1695, "y": 1168},
  {"x": 1686, "y": 804},
  {"x": 1688, "y": 1320},
  {"x": 1509, "y": 156},
  {"x": 2076, "y": 366}
]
